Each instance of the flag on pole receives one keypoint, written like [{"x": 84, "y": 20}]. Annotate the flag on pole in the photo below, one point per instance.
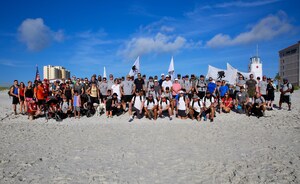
[
  {"x": 171, "y": 70},
  {"x": 104, "y": 72},
  {"x": 135, "y": 69},
  {"x": 37, "y": 74}
]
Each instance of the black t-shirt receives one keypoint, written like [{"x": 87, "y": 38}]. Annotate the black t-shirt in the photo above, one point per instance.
[{"x": 139, "y": 84}]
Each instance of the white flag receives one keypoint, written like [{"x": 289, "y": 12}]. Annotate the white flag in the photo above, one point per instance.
[
  {"x": 135, "y": 69},
  {"x": 171, "y": 70},
  {"x": 231, "y": 74},
  {"x": 245, "y": 74},
  {"x": 104, "y": 72},
  {"x": 216, "y": 73}
]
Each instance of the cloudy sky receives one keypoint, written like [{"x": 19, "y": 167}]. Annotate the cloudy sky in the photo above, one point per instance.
[{"x": 85, "y": 36}]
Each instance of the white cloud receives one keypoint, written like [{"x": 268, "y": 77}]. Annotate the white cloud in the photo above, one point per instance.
[
  {"x": 266, "y": 29},
  {"x": 36, "y": 35},
  {"x": 158, "y": 44},
  {"x": 245, "y": 4},
  {"x": 167, "y": 29}
]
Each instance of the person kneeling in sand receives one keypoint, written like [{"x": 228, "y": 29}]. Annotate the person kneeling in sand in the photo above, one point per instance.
[
  {"x": 226, "y": 103},
  {"x": 32, "y": 110},
  {"x": 182, "y": 104},
  {"x": 195, "y": 108},
  {"x": 150, "y": 107},
  {"x": 208, "y": 106},
  {"x": 137, "y": 104},
  {"x": 164, "y": 108},
  {"x": 258, "y": 106}
]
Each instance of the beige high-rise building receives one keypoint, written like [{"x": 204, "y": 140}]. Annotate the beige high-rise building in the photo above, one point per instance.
[
  {"x": 56, "y": 72},
  {"x": 289, "y": 61}
]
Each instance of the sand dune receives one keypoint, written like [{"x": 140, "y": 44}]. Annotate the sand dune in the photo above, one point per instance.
[{"x": 233, "y": 149}]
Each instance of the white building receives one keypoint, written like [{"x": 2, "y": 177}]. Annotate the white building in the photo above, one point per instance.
[
  {"x": 255, "y": 67},
  {"x": 56, "y": 72}
]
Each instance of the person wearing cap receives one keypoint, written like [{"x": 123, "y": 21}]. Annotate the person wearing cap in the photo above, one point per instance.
[
  {"x": 150, "y": 107},
  {"x": 164, "y": 108},
  {"x": 285, "y": 94},
  {"x": 201, "y": 87},
  {"x": 270, "y": 94},
  {"x": 152, "y": 92},
  {"x": 167, "y": 83},
  {"x": 162, "y": 79},
  {"x": 148, "y": 84},
  {"x": 137, "y": 104},
  {"x": 242, "y": 100},
  {"x": 182, "y": 105},
  {"x": 139, "y": 82},
  {"x": 208, "y": 106},
  {"x": 195, "y": 108},
  {"x": 211, "y": 86},
  {"x": 127, "y": 90},
  {"x": 257, "y": 106}
]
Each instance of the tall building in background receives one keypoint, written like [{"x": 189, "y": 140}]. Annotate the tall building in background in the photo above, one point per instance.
[
  {"x": 56, "y": 72},
  {"x": 255, "y": 66},
  {"x": 289, "y": 61}
]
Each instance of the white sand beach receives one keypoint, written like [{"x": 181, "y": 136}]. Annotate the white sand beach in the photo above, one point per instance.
[{"x": 233, "y": 149}]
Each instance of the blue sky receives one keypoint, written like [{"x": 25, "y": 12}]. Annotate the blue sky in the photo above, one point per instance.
[{"x": 85, "y": 36}]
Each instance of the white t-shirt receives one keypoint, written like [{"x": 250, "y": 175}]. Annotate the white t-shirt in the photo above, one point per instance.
[
  {"x": 181, "y": 104},
  {"x": 138, "y": 101},
  {"x": 207, "y": 102},
  {"x": 116, "y": 89},
  {"x": 196, "y": 106},
  {"x": 164, "y": 105},
  {"x": 151, "y": 104},
  {"x": 167, "y": 84}
]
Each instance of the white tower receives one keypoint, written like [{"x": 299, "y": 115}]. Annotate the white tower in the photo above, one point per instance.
[{"x": 255, "y": 66}]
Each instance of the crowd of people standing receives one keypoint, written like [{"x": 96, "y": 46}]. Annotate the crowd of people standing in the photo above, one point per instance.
[{"x": 183, "y": 97}]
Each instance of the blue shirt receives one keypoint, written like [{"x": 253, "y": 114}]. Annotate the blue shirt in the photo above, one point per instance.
[
  {"x": 211, "y": 87},
  {"x": 223, "y": 90}
]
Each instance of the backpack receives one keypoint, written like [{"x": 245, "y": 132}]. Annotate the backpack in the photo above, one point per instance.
[
  {"x": 134, "y": 99},
  {"x": 291, "y": 90},
  {"x": 198, "y": 104},
  {"x": 10, "y": 89},
  {"x": 161, "y": 102}
]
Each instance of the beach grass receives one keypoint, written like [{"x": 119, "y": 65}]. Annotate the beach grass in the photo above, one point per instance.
[{"x": 2, "y": 88}]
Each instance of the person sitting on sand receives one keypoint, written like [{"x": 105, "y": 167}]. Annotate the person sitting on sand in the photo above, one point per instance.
[
  {"x": 195, "y": 108},
  {"x": 150, "y": 107},
  {"x": 32, "y": 109},
  {"x": 258, "y": 106},
  {"x": 66, "y": 107},
  {"x": 137, "y": 104},
  {"x": 116, "y": 108},
  {"x": 208, "y": 106},
  {"x": 226, "y": 103},
  {"x": 164, "y": 108},
  {"x": 242, "y": 100}
]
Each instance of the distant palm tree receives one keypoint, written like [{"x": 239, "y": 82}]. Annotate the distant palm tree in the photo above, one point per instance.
[{"x": 278, "y": 79}]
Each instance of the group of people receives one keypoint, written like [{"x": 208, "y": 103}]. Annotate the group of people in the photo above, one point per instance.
[{"x": 183, "y": 97}]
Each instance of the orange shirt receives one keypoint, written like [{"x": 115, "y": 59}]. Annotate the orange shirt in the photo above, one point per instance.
[{"x": 39, "y": 92}]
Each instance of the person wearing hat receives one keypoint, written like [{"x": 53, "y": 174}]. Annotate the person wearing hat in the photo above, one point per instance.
[
  {"x": 211, "y": 86},
  {"x": 164, "y": 108},
  {"x": 167, "y": 83},
  {"x": 127, "y": 90},
  {"x": 270, "y": 94},
  {"x": 285, "y": 94},
  {"x": 182, "y": 105},
  {"x": 150, "y": 107},
  {"x": 195, "y": 108},
  {"x": 137, "y": 104},
  {"x": 162, "y": 79},
  {"x": 208, "y": 106}
]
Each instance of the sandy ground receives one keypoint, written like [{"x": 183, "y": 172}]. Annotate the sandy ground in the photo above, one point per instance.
[{"x": 233, "y": 149}]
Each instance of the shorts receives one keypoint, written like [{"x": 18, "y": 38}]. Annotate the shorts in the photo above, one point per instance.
[
  {"x": 22, "y": 98},
  {"x": 126, "y": 98},
  {"x": 94, "y": 100},
  {"x": 201, "y": 94},
  {"x": 207, "y": 111},
  {"x": 196, "y": 114},
  {"x": 181, "y": 113},
  {"x": 270, "y": 97},
  {"x": 285, "y": 99},
  {"x": 40, "y": 102},
  {"x": 77, "y": 108},
  {"x": 15, "y": 100},
  {"x": 265, "y": 97}
]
